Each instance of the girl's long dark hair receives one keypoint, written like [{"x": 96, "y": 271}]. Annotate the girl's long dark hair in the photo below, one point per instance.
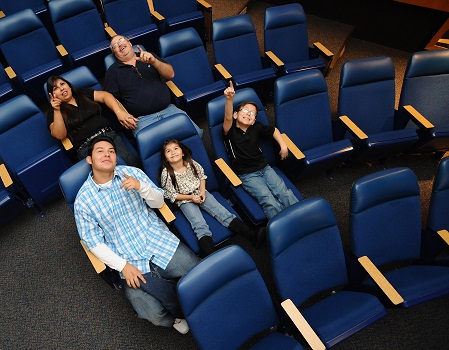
[
  {"x": 187, "y": 158},
  {"x": 73, "y": 121}
]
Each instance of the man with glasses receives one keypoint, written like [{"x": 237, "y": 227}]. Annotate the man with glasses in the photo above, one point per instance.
[
  {"x": 242, "y": 133},
  {"x": 137, "y": 80}
]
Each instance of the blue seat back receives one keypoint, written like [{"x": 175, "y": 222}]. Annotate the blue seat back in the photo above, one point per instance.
[
  {"x": 25, "y": 42},
  {"x": 225, "y": 300},
  {"x": 184, "y": 50},
  {"x": 77, "y": 23},
  {"x": 173, "y": 8},
  {"x": 119, "y": 12},
  {"x": 425, "y": 86},
  {"x": 235, "y": 44},
  {"x": 306, "y": 251},
  {"x": 438, "y": 218},
  {"x": 285, "y": 32},
  {"x": 385, "y": 216},
  {"x": 7, "y": 89},
  {"x": 302, "y": 108},
  {"x": 10, "y": 7},
  {"x": 367, "y": 93},
  {"x": 179, "y": 127}
]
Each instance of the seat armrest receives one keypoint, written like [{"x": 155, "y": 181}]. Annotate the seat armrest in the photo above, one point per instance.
[
  {"x": 98, "y": 265},
  {"x": 111, "y": 32},
  {"x": 224, "y": 73},
  {"x": 157, "y": 15},
  {"x": 274, "y": 59},
  {"x": 4, "y": 175},
  {"x": 292, "y": 147},
  {"x": 2, "y": 14},
  {"x": 167, "y": 213},
  {"x": 353, "y": 128},
  {"x": 204, "y": 4},
  {"x": 418, "y": 118},
  {"x": 62, "y": 51},
  {"x": 174, "y": 89},
  {"x": 302, "y": 325},
  {"x": 206, "y": 8},
  {"x": 323, "y": 50},
  {"x": 67, "y": 144},
  {"x": 444, "y": 234},
  {"x": 380, "y": 280},
  {"x": 10, "y": 72},
  {"x": 228, "y": 172}
]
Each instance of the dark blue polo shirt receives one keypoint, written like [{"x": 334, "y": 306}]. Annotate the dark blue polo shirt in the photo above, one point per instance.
[{"x": 140, "y": 89}]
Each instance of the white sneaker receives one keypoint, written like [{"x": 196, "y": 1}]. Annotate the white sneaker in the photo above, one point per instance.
[{"x": 181, "y": 325}]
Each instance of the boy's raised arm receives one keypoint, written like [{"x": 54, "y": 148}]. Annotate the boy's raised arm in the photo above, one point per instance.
[{"x": 229, "y": 108}]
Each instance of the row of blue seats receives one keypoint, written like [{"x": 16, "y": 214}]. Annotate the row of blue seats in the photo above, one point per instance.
[{"x": 30, "y": 52}]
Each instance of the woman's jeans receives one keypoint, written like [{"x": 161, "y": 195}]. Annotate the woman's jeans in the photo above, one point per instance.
[
  {"x": 192, "y": 212},
  {"x": 269, "y": 190},
  {"x": 171, "y": 110},
  {"x": 150, "y": 308}
]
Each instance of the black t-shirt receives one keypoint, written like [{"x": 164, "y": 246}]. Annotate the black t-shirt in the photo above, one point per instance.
[
  {"x": 244, "y": 147},
  {"x": 140, "y": 89},
  {"x": 91, "y": 118}
]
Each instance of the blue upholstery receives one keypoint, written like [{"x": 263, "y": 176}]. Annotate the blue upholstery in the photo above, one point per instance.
[
  {"x": 7, "y": 87},
  {"x": 32, "y": 156},
  {"x": 367, "y": 96},
  {"x": 180, "y": 14},
  {"x": 80, "y": 29},
  {"x": 385, "y": 225},
  {"x": 110, "y": 59},
  {"x": 11, "y": 204},
  {"x": 285, "y": 34},
  {"x": 185, "y": 51},
  {"x": 307, "y": 258},
  {"x": 424, "y": 87},
  {"x": 29, "y": 49},
  {"x": 141, "y": 28},
  {"x": 226, "y": 302},
  {"x": 39, "y": 7},
  {"x": 302, "y": 111},
  {"x": 150, "y": 141},
  {"x": 438, "y": 218},
  {"x": 215, "y": 114},
  {"x": 236, "y": 47}
]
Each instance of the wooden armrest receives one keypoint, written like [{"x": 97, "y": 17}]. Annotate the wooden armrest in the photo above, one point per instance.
[
  {"x": 174, "y": 89},
  {"x": 353, "y": 129},
  {"x": 443, "y": 41},
  {"x": 4, "y": 175},
  {"x": 67, "y": 144},
  {"x": 2, "y": 14},
  {"x": 292, "y": 147},
  {"x": 62, "y": 51},
  {"x": 204, "y": 4},
  {"x": 98, "y": 265},
  {"x": 444, "y": 234},
  {"x": 167, "y": 213},
  {"x": 380, "y": 280},
  {"x": 229, "y": 173},
  {"x": 111, "y": 32},
  {"x": 324, "y": 50},
  {"x": 275, "y": 59},
  {"x": 157, "y": 15},
  {"x": 222, "y": 70},
  {"x": 10, "y": 72},
  {"x": 418, "y": 118},
  {"x": 303, "y": 326}
]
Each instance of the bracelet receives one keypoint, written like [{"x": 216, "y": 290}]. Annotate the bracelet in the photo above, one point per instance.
[{"x": 119, "y": 110}]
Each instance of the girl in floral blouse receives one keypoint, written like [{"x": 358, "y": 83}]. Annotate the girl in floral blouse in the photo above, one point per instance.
[{"x": 184, "y": 183}]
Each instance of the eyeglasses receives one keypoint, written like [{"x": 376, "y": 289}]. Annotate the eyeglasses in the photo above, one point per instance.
[
  {"x": 115, "y": 46},
  {"x": 247, "y": 111},
  {"x": 137, "y": 72}
]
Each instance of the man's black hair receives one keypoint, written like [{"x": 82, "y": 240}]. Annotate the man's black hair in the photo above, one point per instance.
[{"x": 95, "y": 140}]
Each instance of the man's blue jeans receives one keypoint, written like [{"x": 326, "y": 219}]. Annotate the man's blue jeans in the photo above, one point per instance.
[
  {"x": 149, "y": 119},
  {"x": 193, "y": 213},
  {"x": 269, "y": 190},
  {"x": 150, "y": 308}
]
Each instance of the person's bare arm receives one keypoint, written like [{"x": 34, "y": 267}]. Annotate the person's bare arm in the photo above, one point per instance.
[
  {"x": 229, "y": 108},
  {"x": 57, "y": 129},
  {"x": 126, "y": 119},
  {"x": 165, "y": 70},
  {"x": 278, "y": 137}
]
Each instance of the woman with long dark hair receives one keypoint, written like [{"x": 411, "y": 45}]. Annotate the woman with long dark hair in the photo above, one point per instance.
[{"x": 77, "y": 114}]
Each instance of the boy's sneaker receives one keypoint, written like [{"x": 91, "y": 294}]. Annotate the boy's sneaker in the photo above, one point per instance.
[{"x": 181, "y": 325}]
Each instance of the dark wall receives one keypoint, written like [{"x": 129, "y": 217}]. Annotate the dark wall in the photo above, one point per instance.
[{"x": 385, "y": 22}]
